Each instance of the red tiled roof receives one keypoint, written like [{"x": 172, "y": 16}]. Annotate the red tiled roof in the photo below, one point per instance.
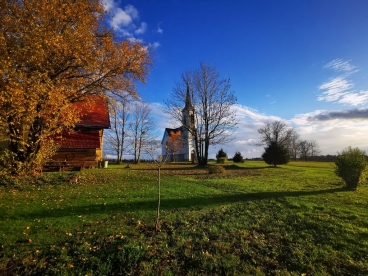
[
  {"x": 95, "y": 113},
  {"x": 86, "y": 139}
]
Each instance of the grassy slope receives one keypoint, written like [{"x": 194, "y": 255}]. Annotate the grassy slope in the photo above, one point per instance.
[{"x": 251, "y": 220}]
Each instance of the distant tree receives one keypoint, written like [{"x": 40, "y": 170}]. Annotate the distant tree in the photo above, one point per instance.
[
  {"x": 221, "y": 154},
  {"x": 304, "y": 149},
  {"x": 174, "y": 143},
  {"x": 276, "y": 132},
  {"x": 314, "y": 148},
  {"x": 238, "y": 158},
  {"x": 115, "y": 138},
  {"x": 307, "y": 149},
  {"x": 276, "y": 154},
  {"x": 293, "y": 144},
  {"x": 142, "y": 129},
  {"x": 212, "y": 99},
  {"x": 350, "y": 165}
]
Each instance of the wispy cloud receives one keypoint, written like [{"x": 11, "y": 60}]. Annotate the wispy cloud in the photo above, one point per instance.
[
  {"x": 142, "y": 29},
  {"x": 155, "y": 45},
  {"x": 355, "y": 99},
  {"x": 340, "y": 89},
  {"x": 340, "y": 65},
  {"x": 159, "y": 30},
  {"x": 334, "y": 89}
]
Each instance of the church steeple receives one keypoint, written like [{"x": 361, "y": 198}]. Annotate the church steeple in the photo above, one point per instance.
[
  {"x": 188, "y": 111},
  {"x": 188, "y": 101}
]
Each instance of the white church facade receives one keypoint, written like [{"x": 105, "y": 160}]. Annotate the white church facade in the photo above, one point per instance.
[{"x": 187, "y": 151}]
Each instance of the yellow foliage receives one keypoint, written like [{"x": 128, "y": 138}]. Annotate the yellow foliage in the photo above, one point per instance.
[{"x": 54, "y": 53}]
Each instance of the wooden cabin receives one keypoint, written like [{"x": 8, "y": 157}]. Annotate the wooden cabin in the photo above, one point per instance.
[{"x": 84, "y": 144}]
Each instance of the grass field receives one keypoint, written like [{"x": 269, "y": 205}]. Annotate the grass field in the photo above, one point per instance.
[{"x": 252, "y": 220}]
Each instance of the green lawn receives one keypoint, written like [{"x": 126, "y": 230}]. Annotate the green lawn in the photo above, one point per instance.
[{"x": 252, "y": 220}]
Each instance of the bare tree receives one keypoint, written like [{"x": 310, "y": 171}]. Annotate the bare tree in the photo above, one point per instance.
[
  {"x": 277, "y": 132},
  {"x": 304, "y": 149},
  {"x": 294, "y": 144},
  {"x": 314, "y": 148},
  {"x": 213, "y": 120},
  {"x": 142, "y": 129},
  {"x": 116, "y": 137},
  {"x": 156, "y": 162}
]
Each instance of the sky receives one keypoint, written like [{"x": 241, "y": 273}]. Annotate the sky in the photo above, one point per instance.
[{"x": 303, "y": 62}]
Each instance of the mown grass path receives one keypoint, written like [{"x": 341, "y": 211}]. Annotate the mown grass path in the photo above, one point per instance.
[{"x": 253, "y": 220}]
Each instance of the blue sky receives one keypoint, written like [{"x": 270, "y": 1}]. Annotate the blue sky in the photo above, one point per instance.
[{"x": 302, "y": 62}]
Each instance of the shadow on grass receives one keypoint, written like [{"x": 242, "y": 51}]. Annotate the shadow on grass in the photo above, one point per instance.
[
  {"x": 167, "y": 204},
  {"x": 235, "y": 167}
]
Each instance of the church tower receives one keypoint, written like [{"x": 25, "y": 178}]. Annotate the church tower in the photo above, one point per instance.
[
  {"x": 187, "y": 152},
  {"x": 188, "y": 121}
]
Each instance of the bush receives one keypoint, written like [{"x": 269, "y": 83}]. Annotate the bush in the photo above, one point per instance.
[
  {"x": 216, "y": 169},
  {"x": 350, "y": 165},
  {"x": 276, "y": 154},
  {"x": 221, "y": 160},
  {"x": 221, "y": 157},
  {"x": 221, "y": 154},
  {"x": 238, "y": 158}
]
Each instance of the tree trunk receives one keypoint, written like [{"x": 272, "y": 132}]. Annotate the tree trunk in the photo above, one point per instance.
[{"x": 159, "y": 201}]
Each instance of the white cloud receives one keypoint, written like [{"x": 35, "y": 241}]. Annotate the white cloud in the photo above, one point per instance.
[
  {"x": 339, "y": 89},
  {"x": 108, "y": 4},
  {"x": 335, "y": 89},
  {"x": 159, "y": 29},
  {"x": 340, "y": 65},
  {"x": 355, "y": 98},
  {"x": 122, "y": 20},
  {"x": 155, "y": 45},
  {"x": 142, "y": 29}
]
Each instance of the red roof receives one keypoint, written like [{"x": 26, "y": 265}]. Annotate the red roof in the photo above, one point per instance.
[
  {"x": 86, "y": 139},
  {"x": 95, "y": 113}
]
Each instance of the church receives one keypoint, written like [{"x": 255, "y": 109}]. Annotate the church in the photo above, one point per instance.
[{"x": 187, "y": 151}]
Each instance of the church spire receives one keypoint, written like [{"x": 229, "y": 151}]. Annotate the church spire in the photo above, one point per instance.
[{"x": 188, "y": 101}]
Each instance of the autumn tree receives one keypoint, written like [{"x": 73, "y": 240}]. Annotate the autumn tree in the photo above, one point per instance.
[
  {"x": 212, "y": 99},
  {"x": 174, "y": 143},
  {"x": 54, "y": 53},
  {"x": 115, "y": 138},
  {"x": 142, "y": 129}
]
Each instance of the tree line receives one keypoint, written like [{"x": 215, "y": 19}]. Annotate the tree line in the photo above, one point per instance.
[{"x": 282, "y": 143}]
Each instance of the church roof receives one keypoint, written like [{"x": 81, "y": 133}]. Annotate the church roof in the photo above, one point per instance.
[{"x": 169, "y": 130}]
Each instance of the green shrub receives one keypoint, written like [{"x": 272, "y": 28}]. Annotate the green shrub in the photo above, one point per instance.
[
  {"x": 238, "y": 158},
  {"x": 221, "y": 153},
  {"x": 350, "y": 165},
  {"x": 216, "y": 169},
  {"x": 221, "y": 160},
  {"x": 221, "y": 157},
  {"x": 276, "y": 154}
]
